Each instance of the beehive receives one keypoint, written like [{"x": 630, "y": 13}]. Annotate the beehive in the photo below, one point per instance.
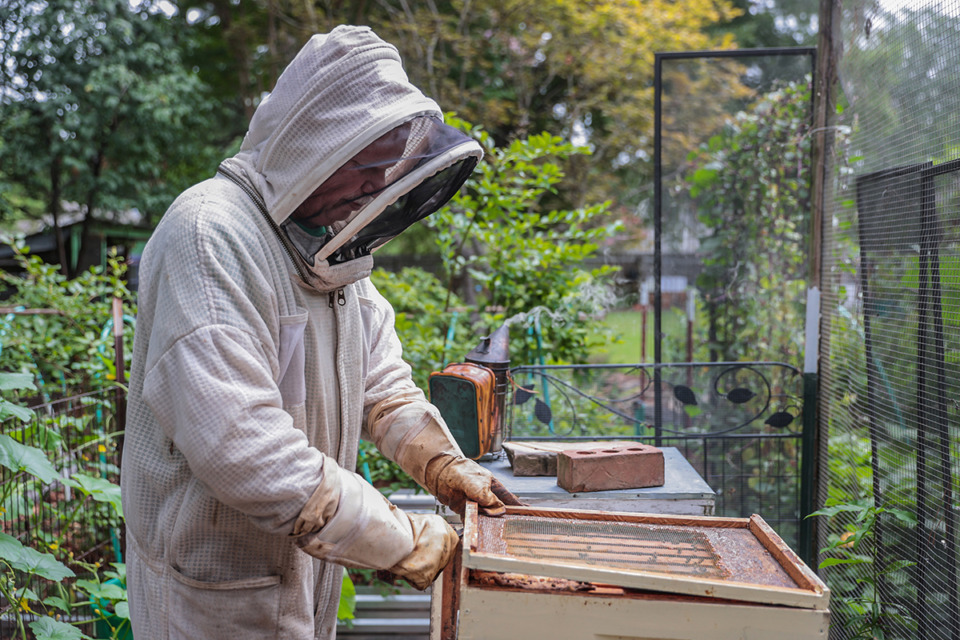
[{"x": 539, "y": 572}]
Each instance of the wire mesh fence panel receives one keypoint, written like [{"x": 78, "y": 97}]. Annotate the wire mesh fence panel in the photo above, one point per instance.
[
  {"x": 738, "y": 424},
  {"x": 79, "y": 525},
  {"x": 891, "y": 326}
]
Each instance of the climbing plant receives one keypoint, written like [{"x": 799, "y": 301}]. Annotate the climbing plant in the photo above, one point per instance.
[{"x": 751, "y": 185}]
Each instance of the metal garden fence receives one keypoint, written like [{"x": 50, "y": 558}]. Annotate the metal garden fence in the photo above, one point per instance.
[{"x": 739, "y": 424}]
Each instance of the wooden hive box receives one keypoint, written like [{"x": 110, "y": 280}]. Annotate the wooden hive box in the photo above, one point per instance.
[{"x": 573, "y": 574}]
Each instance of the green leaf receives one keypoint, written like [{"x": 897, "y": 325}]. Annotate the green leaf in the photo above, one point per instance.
[
  {"x": 103, "y": 591},
  {"x": 692, "y": 410},
  {"x": 122, "y": 610},
  {"x": 19, "y": 457},
  {"x": 58, "y": 603},
  {"x": 829, "y": 562},
  {"x": 47, "y": 628},
  {"x": 348, "y": 599},
  {"x": 32, "y": 561},
  {"x": 100, "y": 489},
  {"x": 906, "y": 517},
  {"x": 703, "y": 177},
  {"x": 9, "y": 409},
  {"x": 9, "y": 547},
  {"x": 28, "y": 594},
  {"x": 16, "y": 381},
  {"x": 837, "y": 508}
]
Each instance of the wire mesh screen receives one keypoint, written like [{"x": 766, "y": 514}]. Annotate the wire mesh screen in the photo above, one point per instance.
[
  {"x": 607, "y": 544},
  {"x": 891, "y": 327},
  {"x": 739, "y": 424}
]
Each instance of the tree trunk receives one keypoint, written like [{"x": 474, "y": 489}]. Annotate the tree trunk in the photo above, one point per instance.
[{"x": 55, "y": 188}]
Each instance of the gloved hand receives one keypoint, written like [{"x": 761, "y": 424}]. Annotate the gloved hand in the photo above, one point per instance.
[
  {"x": 409, "y": 430},
  {"x": 349, "y": 522},
  {"x": 454, "y": 480},
  {"x": 435, "y": 542}
]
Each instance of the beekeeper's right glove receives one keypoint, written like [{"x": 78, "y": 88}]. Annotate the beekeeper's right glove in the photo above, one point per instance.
[{"x": 349, "y": 522}]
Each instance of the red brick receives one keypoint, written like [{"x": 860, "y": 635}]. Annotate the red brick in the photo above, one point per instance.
[
  {"x": 623, "y": 466},
  {"x": 540, "y": 458}
]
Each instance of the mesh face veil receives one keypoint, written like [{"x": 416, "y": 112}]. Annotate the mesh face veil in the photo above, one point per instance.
[{"x": 401, "y": 177}]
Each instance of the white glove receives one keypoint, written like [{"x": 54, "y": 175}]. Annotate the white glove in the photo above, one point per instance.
[{"x": 349, "y": 522}]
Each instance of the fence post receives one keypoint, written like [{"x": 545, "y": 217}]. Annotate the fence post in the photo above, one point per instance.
[
  {"x": 120, "y": 403},
  {"x": 808, "y": 468}
]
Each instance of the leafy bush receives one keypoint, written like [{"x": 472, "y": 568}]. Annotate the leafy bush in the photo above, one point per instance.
[
  {"x": 522, "y": 261},
  {"x": 58, "y": 331},
  {"x": 499, "y": 235},
  {"x": 424, "y": 319},
  {"x": 859, "y": 606}
]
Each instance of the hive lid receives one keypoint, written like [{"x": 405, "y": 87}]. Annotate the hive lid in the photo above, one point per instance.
[{"x": 734, "y": 558}]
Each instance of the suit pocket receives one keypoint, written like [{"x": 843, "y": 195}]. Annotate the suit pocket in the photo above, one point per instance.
[
  {"x": 235, "y": 609},
  {"x": 292, "y": 355}
]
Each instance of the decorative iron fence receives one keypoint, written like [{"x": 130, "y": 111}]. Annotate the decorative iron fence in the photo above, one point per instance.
[{"x": 739, "y": 424}]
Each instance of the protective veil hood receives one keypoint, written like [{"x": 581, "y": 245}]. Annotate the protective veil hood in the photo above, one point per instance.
[{"x": 344, "y": 91}]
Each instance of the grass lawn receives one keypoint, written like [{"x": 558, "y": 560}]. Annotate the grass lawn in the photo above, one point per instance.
[{"x": 625, "y": 327}]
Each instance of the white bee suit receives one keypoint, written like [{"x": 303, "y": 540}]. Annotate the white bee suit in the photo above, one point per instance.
[{"x": 256, "y": 367}]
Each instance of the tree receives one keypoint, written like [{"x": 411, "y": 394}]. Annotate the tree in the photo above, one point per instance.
[
  {"x": 98, "y": 94},
  {"x": 515, "y": 66},
  {"x": 520, "y": 66},
  {"x": 772, "y": 23}
]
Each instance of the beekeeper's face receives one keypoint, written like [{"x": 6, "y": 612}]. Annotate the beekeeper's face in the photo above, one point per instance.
[{"x": 354, "y": 184}]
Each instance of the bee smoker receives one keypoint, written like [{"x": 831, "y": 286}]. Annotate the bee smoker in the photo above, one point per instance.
[{"x": 471, "y": 395}]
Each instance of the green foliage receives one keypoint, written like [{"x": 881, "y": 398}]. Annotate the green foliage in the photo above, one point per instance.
[
  {"x": 751, "y": 184},
  {"x": 111, "y": 115},
  {"x": 348, "y": 599},
  {"x": 424, "y": 319},
  {"x": 15, "y": 382},
  {"x": 519, "y": 263},
  {"x": 524, "y": 257},
  {"x": 60, "y": 332},
  {"x": 857, "y": 604},
  {"x": 381, "y": 472},
  {"x": 106, "y": 597},
  {"x": 25, "y": 572}
]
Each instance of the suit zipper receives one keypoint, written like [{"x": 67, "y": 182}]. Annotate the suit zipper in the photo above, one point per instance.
[
  {"x": 258, "y": 201},
  {"x": 341, "y": 299},
  {"x": 339, "y": 296}
]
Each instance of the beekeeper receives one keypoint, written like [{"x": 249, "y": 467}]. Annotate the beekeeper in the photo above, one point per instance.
[{"x": 263, "y": 354}]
